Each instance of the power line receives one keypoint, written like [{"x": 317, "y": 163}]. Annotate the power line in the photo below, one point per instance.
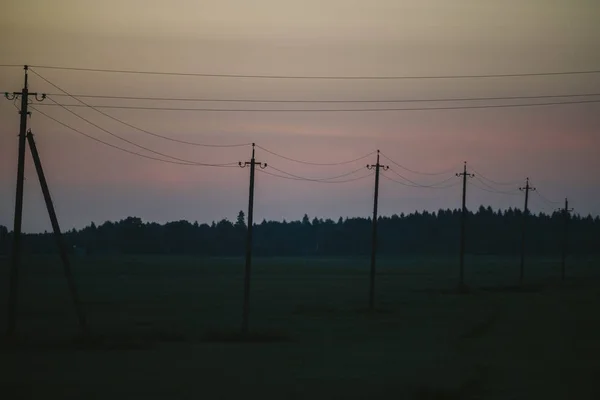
[
  {"x": 494, "y": 191},
  {"x": 333, "y": 110},
  {"x": 418, "y": 172},
  {"x": 413, "y": 183},
  {"x": 545, "y": 198},
  {"x": 313, "y": 163},
  {"x": 186, "y": 99},
  {"x": 421, "y": 186},
  {"x": 479, "y": 174},
  {"x": 316, "y": 179},
  {"x": 136, "y": 127},
  {"x": 540, "y": 203},
  {"x": 125, "y": 150},
  {"x": 138, "y": 145},
  {"x": 330, "y": 77},
  {"x": 312, "y": 180},
  {"x": 490, "y": 186}
]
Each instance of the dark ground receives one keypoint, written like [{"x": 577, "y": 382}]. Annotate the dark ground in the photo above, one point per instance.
[{"x": 164, "y": 327}]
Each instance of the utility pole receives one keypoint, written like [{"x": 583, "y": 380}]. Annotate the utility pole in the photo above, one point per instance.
[
  {"x": 526, "y": 189},
  {"x": 377, "y": 167},
  {"x": 16, "y": 245},
  {"x": 247, "y": 270},
  {"x": 565, "y": 211},
  {"x": 464, "y": 174},
  {"x": 57, "y": 234}
]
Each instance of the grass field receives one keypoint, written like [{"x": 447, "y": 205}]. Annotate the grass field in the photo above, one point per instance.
[{"x": 160, "y": 330}]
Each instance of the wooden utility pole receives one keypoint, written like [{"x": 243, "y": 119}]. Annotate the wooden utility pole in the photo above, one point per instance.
[
  {"x": 377, "y": 167},
  {"x": 566, "y": 212},
  {"x": 24, "y": 95},
  {"x": 526, "y": 189},
  {"x": 57, "y": 233},
  {"x": 464, "y": 174},
  {"x": 247, "y": 270}
]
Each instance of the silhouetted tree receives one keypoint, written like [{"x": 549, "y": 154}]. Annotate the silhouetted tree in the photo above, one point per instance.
[
  {"x": 437, "y": 233},
  {"x": 240, "y": 222}
]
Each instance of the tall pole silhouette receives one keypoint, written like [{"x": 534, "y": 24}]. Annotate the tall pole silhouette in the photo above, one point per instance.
[
  {"x": 248, "y": 267},
  {"x": 526, "y": 189},
  {"x": 57, "y": 233},
  {"x": 565, "y": 243},
  {"x": 24, "y": 95},
  {"x": 464, "y": 174},
  {"x": 377, "y": 167}
]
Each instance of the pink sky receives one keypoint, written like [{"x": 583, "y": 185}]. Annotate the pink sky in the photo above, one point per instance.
[{"x": 556, "y": 146}]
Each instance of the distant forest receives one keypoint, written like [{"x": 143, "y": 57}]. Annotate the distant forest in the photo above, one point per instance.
[{"x": 487, "y": 232}]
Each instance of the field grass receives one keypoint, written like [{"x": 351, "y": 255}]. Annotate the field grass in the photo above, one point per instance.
[{"x": 167, "y": 327}]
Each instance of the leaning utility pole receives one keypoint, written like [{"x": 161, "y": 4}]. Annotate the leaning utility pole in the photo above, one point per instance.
[
  {"x": 463, "y": 217},
  {"x": 565, "y": 211},
  {"x": 526, "y": 189},
  {"x": 377, "y": 168},
  {"x": 246, "y": 307},
  {"x": 16, "y": 245},
  {"x": 57, "y": 234}
]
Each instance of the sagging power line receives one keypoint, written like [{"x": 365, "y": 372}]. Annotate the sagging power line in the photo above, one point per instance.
[
  {"x": 183, "y": 160},
  {"x": 420, "y": 186},
  {"x": 332, "y": 110},
  {"x": 493, "y": 181},
  {"x": 318, "y": 181},
  {"x": 320, "y": 77},
  {"x": 340, "y": 101},
  {"x": 315, "y": 163},
  {"x": 131, "y": 125},
  {"x": 489, "y": 188},
  {"x": 123, "y": 149}
]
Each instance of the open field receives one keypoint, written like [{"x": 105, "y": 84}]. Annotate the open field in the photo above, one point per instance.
[{"x": 159, "y": 327}]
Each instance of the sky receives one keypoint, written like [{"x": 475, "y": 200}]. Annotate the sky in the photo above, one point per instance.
[{"x": 555, "y": 146}]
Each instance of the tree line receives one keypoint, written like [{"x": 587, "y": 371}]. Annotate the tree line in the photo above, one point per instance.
[{"x": 432, "y": 233}]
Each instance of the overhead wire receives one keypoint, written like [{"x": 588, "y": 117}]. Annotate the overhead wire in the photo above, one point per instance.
[
  {"x": 316, "y": 179},
  {"x": 122, "y": 149},
  {"x": 322, "y": 77},
  {"x": 143, "y": 147},
  {"x": 479, "y": 174},
  {"x": 253, "y": 100},
  {"x": 313, "y": 180},
  {"x": 490, "y": 186},
  {"x": 439, "y": 186},
  {"x": 314, "y": 163},
  {"x": 417, "y": 172},
  {"x": 413, "y": 183},
  {"x": 493, "y": 190},
  {"x": 133, "y": 126},
  {"x": 319, "y": 110},
  {"x": 292, "y": 176},
  {"x": 539, "y": 203},
  {"x": 544, "y": 198}
]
